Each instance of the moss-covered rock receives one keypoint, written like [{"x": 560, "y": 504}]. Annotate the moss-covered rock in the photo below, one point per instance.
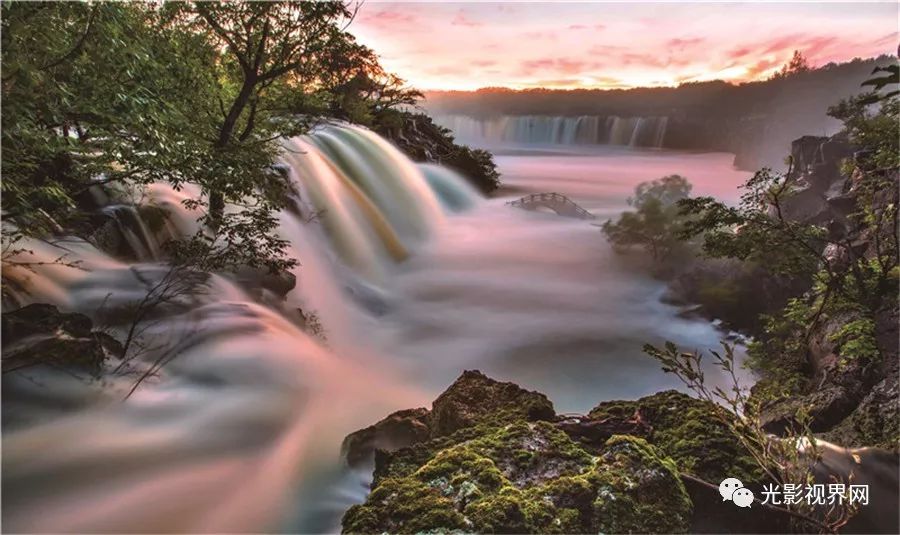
[
  {"x": 638, "y": 490},
  {"x": 404, "y": 505},
  {"x": 691, "y": 431},
  {"x": 475, "y": 398},
  {"x": 484, "y": 486},
  {"x": 472, "y": 401},
  {"x": 521, "y": 477}
]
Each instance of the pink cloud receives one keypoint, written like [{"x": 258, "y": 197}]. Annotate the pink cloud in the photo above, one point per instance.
[
  {"x": 606, "y": 49},
  {"x": 461, "y": 19},
  {"x": 740, "y": 52},
  {"x": 681, "y": 43},
  {"x": 642, "y": 59},
  {"x": 386, "y": 18},
  {"x": 889, "y": 39},
  {"x": 577, "y": 27},
  {"x": 556, "y": 65},
  {"x": 548, "y": 35},
  {"x": 762, "y": 66}
]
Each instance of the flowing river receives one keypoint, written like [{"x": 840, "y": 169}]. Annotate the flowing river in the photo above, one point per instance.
[{"x": 414, "y": 277}]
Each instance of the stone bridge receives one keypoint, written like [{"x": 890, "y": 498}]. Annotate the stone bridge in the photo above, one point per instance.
[{"x": 557, "y": 202}]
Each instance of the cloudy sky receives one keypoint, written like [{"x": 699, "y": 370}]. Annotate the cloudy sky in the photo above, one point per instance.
[{"x": 471, "y": 45}]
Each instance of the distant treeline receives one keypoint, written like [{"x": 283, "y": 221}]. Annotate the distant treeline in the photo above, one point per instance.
[
  {"x": 827, "y": 83},
  {"x": 754, "y": 120}
]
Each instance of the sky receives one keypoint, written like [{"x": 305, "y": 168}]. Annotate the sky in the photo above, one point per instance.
[{"x": 466, "y": 46}]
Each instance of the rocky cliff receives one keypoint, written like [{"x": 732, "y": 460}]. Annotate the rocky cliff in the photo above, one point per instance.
[
  {"x": 852, "y": 390},
  {"x": 847, "y": 362}
]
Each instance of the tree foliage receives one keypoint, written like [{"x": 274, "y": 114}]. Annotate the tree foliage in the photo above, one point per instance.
[
  {"x": 798, "y": 64},
  {"x": 756, "y": 229},
  {"x": 195, "y": 92},
  {"x": 92, "y": 103},
  {"x": 656, "y": 222}
]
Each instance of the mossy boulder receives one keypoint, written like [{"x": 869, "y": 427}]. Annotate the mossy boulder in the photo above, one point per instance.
[
  {"x": 404, "y": 505},
  {"x": 693, "y": 432},
  {"x": 529, "y": 477},
  {"x": 497, "y": 461},
  {"x": 473, "y": 400}
]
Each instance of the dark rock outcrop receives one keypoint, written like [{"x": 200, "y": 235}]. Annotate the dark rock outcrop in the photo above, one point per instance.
[
  {"x": 399, "y": 430},
  {"x": 819, "y": 196},
  {"x": 40, "y": 334},
  {"x": 255, "y": 280}
]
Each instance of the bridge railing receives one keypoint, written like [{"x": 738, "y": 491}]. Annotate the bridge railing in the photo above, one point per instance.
[{"x": 554, "y": 197}]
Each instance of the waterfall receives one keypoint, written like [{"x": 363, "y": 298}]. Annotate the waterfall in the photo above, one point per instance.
[
  {"x": 557, "y": 130},
  {"x": 218, "y": 439},
  {"x": 370, "y": 201}
]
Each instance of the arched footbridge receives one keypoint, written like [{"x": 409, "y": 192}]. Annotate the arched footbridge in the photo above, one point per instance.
[{"x": 557, "y": 202}]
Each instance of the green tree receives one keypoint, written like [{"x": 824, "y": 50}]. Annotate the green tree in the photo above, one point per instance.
[
  {"x": 361, "y": 91},
  {"x": 200, "y": 93},
  {"x": 798, "y": 64},
  {"x": 268, "y": 74},
  {"x": 760, "y": 230},
  {"x": 90, "y": 95},
  {"x": 655, "y": 222}
]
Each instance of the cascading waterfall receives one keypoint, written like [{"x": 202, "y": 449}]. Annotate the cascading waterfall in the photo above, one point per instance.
[
  {"x": 218, "y": 440},
  {"x": 374, "y": 202},
  {"x": 558, "y": 130}
]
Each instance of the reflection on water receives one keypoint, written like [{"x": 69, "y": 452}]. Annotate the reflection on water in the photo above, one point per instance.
[{"x": 242, "y": 431}]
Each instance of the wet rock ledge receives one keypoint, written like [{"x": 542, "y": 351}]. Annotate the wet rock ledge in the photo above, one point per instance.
[{"x": 491, "y": 457}]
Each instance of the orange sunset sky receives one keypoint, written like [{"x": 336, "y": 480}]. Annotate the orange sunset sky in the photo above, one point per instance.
[{"x": 615, "y": 45}]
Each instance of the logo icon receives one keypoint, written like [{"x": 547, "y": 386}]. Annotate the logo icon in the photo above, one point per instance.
[{"x": 732, "y": 489}]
